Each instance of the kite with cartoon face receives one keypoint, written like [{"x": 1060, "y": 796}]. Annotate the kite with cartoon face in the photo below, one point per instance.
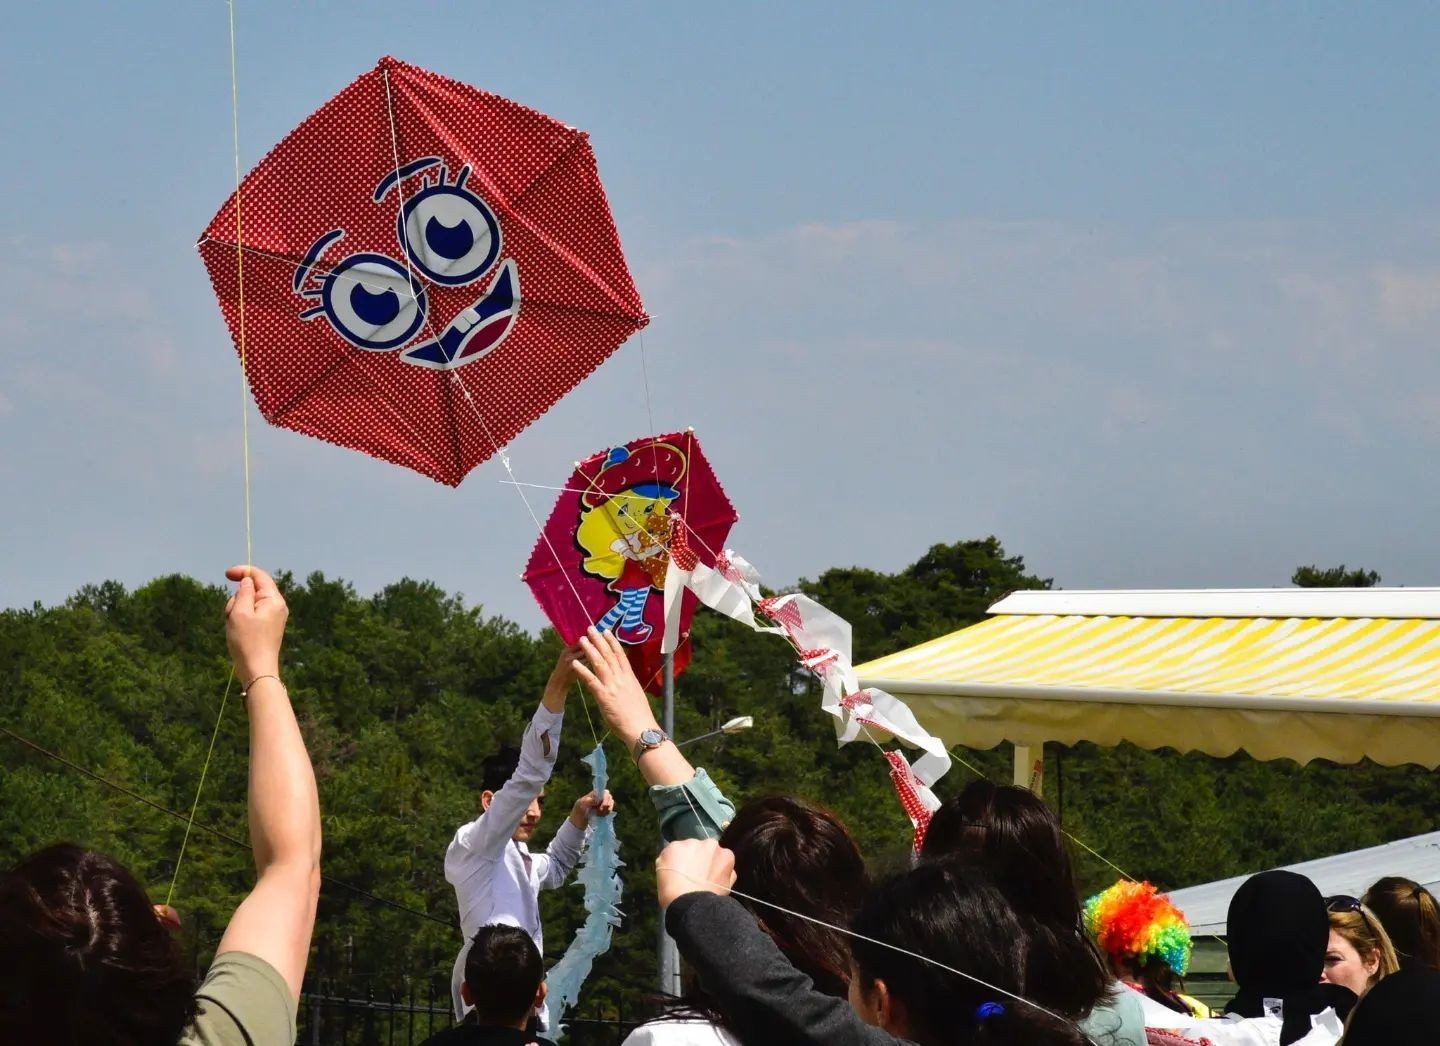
[{"x": 447, "y": 235}]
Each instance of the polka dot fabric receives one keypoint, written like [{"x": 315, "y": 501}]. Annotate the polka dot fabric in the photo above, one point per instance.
[
  {"x": 577, "y": 302},
  {"x": 908, "y": 791}
]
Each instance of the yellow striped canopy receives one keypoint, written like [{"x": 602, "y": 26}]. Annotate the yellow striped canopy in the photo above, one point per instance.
[{"x": 1303, "y": 674}]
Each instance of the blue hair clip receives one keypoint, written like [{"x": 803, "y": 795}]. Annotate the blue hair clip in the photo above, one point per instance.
[{"x": 986, "y": 1010}]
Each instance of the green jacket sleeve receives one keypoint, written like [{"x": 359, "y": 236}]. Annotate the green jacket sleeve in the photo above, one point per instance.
[{"x": 693, "y": 810}]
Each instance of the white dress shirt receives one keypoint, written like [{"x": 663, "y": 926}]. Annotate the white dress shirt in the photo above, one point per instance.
[{"x": 496, "y": 879}]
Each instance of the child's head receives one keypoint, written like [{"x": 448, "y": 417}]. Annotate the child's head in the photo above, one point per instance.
[{"x": 504, "y": 977}]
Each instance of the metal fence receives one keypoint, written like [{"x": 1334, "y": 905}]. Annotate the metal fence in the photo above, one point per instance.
[{"x": 352, "y": 1013}]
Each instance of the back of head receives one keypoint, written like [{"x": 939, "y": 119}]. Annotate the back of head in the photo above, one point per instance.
[
  {"x": 800, "y": 857},
  {"x": 957, "y": 918},
  {"x": 1145, "y": 936},
  {"x": 1009, "y": 833},
  {"x": 83, "y": 957},
  {"x": 503, "y": 971},
  {"x": 498, "y": 768},
  {"x": 1277, "y": 929},
  {"x": 1410, "y": 916},
  {"x": 1402, "y": 1010}
]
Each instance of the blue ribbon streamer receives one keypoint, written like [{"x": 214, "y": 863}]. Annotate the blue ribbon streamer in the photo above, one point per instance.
[{"x": 599, "y": 875}]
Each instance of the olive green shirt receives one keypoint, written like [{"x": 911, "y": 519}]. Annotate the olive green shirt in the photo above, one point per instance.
[{"x": 243, "y": 1001}]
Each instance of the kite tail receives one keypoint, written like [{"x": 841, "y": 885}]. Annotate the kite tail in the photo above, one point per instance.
[{"x": 599, "y": 875}]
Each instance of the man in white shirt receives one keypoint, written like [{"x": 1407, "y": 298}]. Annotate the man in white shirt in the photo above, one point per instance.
[{"x": 496, "y": 877}]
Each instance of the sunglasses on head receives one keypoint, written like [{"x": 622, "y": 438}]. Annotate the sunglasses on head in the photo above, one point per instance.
[{"x": 1343, "y": 902}]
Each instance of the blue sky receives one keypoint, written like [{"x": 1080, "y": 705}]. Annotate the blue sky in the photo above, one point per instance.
[{"x": 1152, "y": 292}]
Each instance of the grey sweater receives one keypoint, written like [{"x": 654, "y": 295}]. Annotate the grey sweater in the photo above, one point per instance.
[{"x": 762, "y": 997}]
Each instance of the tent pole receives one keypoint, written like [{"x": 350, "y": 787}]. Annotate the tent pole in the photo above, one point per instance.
[{"x": 1027, "y": 774}]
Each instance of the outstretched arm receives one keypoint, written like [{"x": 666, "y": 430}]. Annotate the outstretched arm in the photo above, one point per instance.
[
  {"x": 487, "y": 835},
  {"x": 689, "y": 804},
  {"x": 275, "y": 921}
]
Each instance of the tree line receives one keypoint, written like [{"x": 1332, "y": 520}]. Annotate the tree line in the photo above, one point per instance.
[{"x": 401, "y": 695}]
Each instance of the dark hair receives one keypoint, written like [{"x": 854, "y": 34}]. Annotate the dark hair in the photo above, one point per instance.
[
  {"x": 1010, "y": 834},
  {"x": 503, "y": 971},
  {"x": 499, "y": 768},
  {"x": 1157, "y": 982},
  {"x": 801, "y": 857},
  {"x": 955, "y": 916},
  {"x": 84, "y": 958},
  {"x": 1410, "y": 916}
]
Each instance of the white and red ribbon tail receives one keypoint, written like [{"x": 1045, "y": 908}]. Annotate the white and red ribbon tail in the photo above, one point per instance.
[{"x": 918, "y": 801}]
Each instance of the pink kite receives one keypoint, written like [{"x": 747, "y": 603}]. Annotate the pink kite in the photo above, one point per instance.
[{"x": 606, "y": 548}]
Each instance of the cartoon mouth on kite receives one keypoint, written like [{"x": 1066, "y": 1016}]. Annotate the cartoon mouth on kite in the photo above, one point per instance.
[
  {"x": 477, "y": 329},
  {"x": 449, "y": 237}
]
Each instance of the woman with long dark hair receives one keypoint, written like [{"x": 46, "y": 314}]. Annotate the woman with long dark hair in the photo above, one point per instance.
[
  {"x": 1010, "y": 834},
  {"x": 85, "y": 959},
  {"x": 939, "y": 959},
  {"x": 802, "y": 860}
]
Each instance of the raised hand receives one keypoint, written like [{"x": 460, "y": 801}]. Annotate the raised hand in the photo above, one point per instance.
[
  {"x": 254, "y": 624},
  {"x": 693, "y": 866},
  {"x": 562, "y": 678},
  {"x": 591, "y": 804},
  {"x": 606, "y": 672}
]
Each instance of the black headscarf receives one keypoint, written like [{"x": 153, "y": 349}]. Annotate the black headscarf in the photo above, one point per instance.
[
  {"x": 1278, "y": 929},
  {"x": 1402, "y": 1010}
]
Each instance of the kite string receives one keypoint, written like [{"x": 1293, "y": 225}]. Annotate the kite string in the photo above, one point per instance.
[
  {"x": 709, "y": 885},
  {"x": 244, "y": 437},
  {"x": 455, "y": 376}
]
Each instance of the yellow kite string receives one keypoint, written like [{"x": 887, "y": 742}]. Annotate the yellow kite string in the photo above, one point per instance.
[{"x": 244, "y": 439}]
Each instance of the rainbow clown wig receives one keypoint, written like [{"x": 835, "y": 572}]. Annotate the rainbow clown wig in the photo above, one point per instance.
[{"x": 1134, "y": 922}]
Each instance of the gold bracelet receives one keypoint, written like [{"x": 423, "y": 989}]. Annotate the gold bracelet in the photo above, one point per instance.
[{"x": 245, "y": 692}]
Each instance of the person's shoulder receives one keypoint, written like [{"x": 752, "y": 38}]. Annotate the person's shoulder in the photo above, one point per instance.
[{"x": 243, "y": 999}]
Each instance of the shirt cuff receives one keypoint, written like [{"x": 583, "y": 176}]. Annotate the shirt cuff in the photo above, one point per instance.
[
  {"x": 570, "y": 837},
  {"x": 693, "y": 810},
  {"x": 544, "y": 719}
]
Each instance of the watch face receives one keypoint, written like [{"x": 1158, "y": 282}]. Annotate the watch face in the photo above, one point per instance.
[{"x": 651, "y": 738}]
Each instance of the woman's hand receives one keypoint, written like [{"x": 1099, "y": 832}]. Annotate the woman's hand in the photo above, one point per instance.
[
  {"x": 254, "y": 624},
  {"x": 693, "y": 866},
  {"x": 606, "y": 672}
]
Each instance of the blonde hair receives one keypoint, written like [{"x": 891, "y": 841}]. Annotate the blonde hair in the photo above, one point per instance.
[
  {"x": 1368, "y": 938},
  {"x": 596, "y": 533}
]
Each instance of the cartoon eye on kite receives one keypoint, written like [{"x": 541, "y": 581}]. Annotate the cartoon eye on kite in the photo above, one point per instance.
[
  {"x": 370, "y": 300},
  {"x": 450, "y": 234}
]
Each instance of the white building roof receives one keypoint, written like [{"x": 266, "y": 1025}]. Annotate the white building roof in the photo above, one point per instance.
[{"x": 1352, "y": 873}]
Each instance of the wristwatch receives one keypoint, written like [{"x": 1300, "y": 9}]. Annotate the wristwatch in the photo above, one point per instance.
[{"x": 647, "y": 740}]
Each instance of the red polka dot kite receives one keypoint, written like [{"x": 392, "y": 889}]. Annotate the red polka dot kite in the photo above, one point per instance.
[{"x": 420, "y": 270}]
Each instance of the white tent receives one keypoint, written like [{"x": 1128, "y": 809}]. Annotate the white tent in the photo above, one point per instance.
[{"x": 1350, "y": 873}]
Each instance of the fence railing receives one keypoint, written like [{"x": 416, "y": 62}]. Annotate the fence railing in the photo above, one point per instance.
[{"x": 351, "y": 1013}]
